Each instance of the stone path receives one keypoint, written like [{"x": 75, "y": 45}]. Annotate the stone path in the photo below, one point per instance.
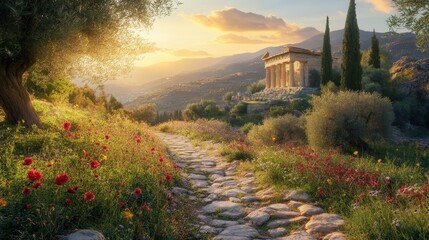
[{"x": 233, "y": 207}]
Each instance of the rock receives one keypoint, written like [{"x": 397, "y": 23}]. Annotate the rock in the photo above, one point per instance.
[
  {"x": 233, "y": 214},
  {"x": 324, "y": 223},
  {"x": 209, "y": 230},
  {"x": 238, "y": 231},
  {"x": 276, "y": 207},
  {"x": 223, "y": 223},
  {"x": 234, "y": 199},
  {"x": 335, "y": 236},
  {"x": 278, "y": 232},
  {"x": 233, "y": 193},
  {"x": 300, "y": 235},
  {"x": 284, "y": 214},
  {"x": 199, "y": 183},
  {"x": 213, "y": 177},
  {"x": 223, "y": 179},
  {"x": 179, "y": 191},
  {"x": 221, "y": 206},
  {"x": 414, "y": 72},
  {"x": 278, "y": 223},
  {"x": 295, "y": 204},
  {"x": 249, "y": 199},
  {"x": 85, "y": 234},
  {"x": 297, "y": 196},
  {"x": 309, "y": 210},
  {"x": 257, "y": 217},
  {"x": 197, "y": 176}
]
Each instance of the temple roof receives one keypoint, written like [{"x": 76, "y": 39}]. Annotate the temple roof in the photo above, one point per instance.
[{"x": 290, "y": 49}]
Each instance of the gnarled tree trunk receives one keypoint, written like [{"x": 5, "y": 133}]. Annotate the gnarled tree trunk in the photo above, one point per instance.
[{"x": 14, "y": 98}]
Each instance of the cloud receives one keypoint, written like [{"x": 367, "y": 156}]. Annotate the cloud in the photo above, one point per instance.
[
  {"x": 234, "y": 38},
  {"x": 250, "y": 28},
  {"x": 385, "y": 6},
  {"x": 189, "y": 53}
]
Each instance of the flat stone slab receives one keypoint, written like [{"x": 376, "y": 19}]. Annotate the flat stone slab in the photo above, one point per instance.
[
  {"x": 300, "y": 235},
  {"x": 233, "y": 193},
  {"x": 325, "y": 223},
  {"x": 277, "y": 207},
  {"x": 335, "y": 236},
  {"x": 197, "y": 176},
  {"x": 284, "y": 214},
  {"x": 240, "y": 231},
  {"x": 257, "y": 217},
  {"x": 297, "y": 196},
  {"x": 277, "y": 232},
  {"x": 309, "y": 210},
  {"x": 249, "y": 199},
  {"x": 199, "y": 183},
  {"x": 277, "y": 223},
  {"x": 295, "y": 204},
  {"x": 85, "y": 234},
  {"x": 223, "y": 223},
  {"x": 210, "y": 230},
  {"x": 221, "y": 206}
]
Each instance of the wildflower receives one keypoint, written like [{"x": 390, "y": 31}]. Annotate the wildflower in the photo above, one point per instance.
[
  {"x": 396, "y": 223},
  {"x": 69, "y": 134},
  {"x": 379, "y": 161},
  {"x": 107, "y": 137},
  {"x": 152, "y": 149},
  {"x": 94, "y": 164},
  {"x": 68, "y": 201},
  {"x": 3, "y": 202},
  {"x": 168, "y": 176},
  {"x": 103, "y": 157},
  {"x": 37, "y": 185},
  {"x": 67, "y": 126},
  {"x": 329, "y": 181},
  {"x": 88, "y": 196},
  {"x": 26, "y": 191},
  {"x": 355, "y": 153},
  {"x": 61, "y": 179},
  {"x": 105, "y": 148},
  {"x": 33, "y": 175},
  {"x": 418, "y": 164},
  {"x": 27, "y": 207},
  {"x": 374, "y": 193},
  {"x": 161, "y": 159},
  {"x": 321, "y": 191},
  {"x": 121, "y": 204},
  {"x": 137, "y": 191},
  {"x": 146, "y": 207},
  {"x": 27, "y": 161},
  {"x": 128, "y": 214},
  {"x": 72, "y": 190},
  {"x": 274, "y": 139},
  {"x": 50, "y": 164}
]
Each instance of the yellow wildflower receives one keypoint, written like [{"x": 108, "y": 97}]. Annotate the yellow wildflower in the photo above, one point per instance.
[
  {"x": 274, "y": 139},
  {"x": 355, "y": 153},
  {"x": 3, "y": 202},
  {"x": 379, "y": 161},
  {"x": 418, "y": 164},
  {"x": 329, "y": 181},
  {"x": 128, "y": 214},
  {"x": 50, "y": 164},
  {"x": 103, "y": 157}
]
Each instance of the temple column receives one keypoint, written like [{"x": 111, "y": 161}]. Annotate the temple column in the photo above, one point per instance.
[
  {"x": 283, "y": 65},
  {"x": 278, "y": 75},
  {"x": 291, "y": 75},
  {"x": 267, "y": 78},
  {"x": 301, "y": 74},
  {"x": 273, "y": 80},
  {"x": 307, "y": 81}
]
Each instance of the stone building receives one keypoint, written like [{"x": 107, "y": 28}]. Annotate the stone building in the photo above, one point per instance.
[{"x": 290, "y": 68}]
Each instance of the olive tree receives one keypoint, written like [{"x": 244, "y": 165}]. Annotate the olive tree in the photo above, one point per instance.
[{"x": 84, "y": 38}]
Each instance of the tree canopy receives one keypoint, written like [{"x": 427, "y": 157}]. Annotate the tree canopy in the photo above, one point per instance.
[
  {"x": 326, "y": 67},
  {"x": 86, "y": 38},
  {"x": 414, "y": 16}
]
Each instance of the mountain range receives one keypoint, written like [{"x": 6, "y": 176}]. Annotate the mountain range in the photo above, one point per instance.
[{"x": 171, "y": 85}]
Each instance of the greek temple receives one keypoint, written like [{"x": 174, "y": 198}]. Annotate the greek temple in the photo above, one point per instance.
[{"x": 290, "y": 68}]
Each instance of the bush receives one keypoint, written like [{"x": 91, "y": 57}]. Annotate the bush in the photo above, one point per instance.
[
  {"x": 300, "y": 105},
  {"x": 276, "y": 111},
  {"x": 314, "y": 78},
  {"x": 204, "y": 109},
  {"x": 376, "y": 80},
  {"x": 330, "y": 87},
  {"x": 348, "y": 120},
  {"x": 278, "y": 130},
  {"x": 256, "y": 87},
  {"x": 53, "y": 88},
  {"x": 238, "y": 151},
  {"x": 145, "y": 113},
  {"x": 239, "y": 109},
  {"x": 245, "y": 129},
  {"x": 228, "y": 96}
]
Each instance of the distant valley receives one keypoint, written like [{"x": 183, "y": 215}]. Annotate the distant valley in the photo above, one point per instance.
[{"x": 172, "y": 85}]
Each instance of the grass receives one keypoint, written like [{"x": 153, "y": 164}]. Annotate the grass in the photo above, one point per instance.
[{"x": 129, "y": 156}]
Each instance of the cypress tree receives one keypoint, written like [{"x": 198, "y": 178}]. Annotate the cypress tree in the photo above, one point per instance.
[
  {"x": 351, "y": 70},
  {"x": 326, "y": 68},
  {"x": 374, "y": 57}
]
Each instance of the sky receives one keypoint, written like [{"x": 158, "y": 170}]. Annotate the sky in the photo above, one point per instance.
[{"x": 213, "y": 28}]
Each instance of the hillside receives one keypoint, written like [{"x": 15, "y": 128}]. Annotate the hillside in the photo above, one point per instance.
[{"x": 167, "y": 92}]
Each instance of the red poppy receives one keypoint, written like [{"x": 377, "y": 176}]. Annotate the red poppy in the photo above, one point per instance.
[
  {"x": 94, "y": 164},
  {"x": 105, "y": 148},
  {"x": 88, "y": 196},
  {"x": 137, "y": 192},
  {"x": 27, "y": 207},
  {"x": 152, "y": 149},
  {"x": 146, "y": 207},
  {"x": 107, "y": 137},
  {"x": 161, "y": 159},
  {"x": 168, "y": 176},
  {"x": 67, "y": 126},
  {"x": 69, "y": 134},
  {"x": 33, "y": 175},
  {"x": 121, "y": 204},
  {"x": 26, "y": 191},
  {"x": 27, "y": 161},
  {"x": 97, "y": 143},
  {"x": 62, "y": 179},
  {"x": 72, "y": 189},
  {"x": 37, "y": 185}
]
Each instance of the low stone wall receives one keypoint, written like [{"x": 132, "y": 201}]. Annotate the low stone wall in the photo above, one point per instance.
[{"x": 284, "y": 94}]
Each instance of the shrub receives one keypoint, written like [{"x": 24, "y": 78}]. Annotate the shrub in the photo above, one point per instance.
[
  {"x": 276, "y": 111},
  {"x": 314, "y": 78},
  {"x": 239, "y": 151},
  {"x": 348, "y": 119},
  {"x": 146, "y": 113},
  {"x": 239, "y": 109},
  {"x": 256, "y": 87},
  {"x": 300, "y": 105},
  {"x": 245, "y": 129},
  {"x": 376, "y": 80},
  {"x": 228, "y": 96},
  {"x": 330, "y": 87},
  {"x": 204, "y": 109},
  {"x": 278, "y": 130}
]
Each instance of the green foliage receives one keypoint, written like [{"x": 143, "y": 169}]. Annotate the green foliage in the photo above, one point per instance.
[
  {"x": 412, "y": 109},
  {"x": 278, "y": 130},
  {"x": 113, "y": 105},
  {"x": 326, "y": 67},
  {"x": 351, "y": 70},
  {"x": 204, "y": 109},
  {"x": 330, "y": 87},
  {"x": 348, "y": 120},
  {"x": 256, "y": 87},
  {"x": 314, "y": 78},
  {"x": 53, "y": 88},
  {"x": 374, "y": 56},
  {"x": 238, "y": 151},
  {"x": 412, "y": 15},
  {"x": 239, "y": 109},
  {"x": 276, "y": 111},
  {"x": 145, "y": 113},
  {"x": 300, "y": 105},
  {"x": 84, "y": 97},
  {"x": 377, "y": 80},
  {"x": 245, "y": 129},
  {"x": 228, "y": 96}
]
